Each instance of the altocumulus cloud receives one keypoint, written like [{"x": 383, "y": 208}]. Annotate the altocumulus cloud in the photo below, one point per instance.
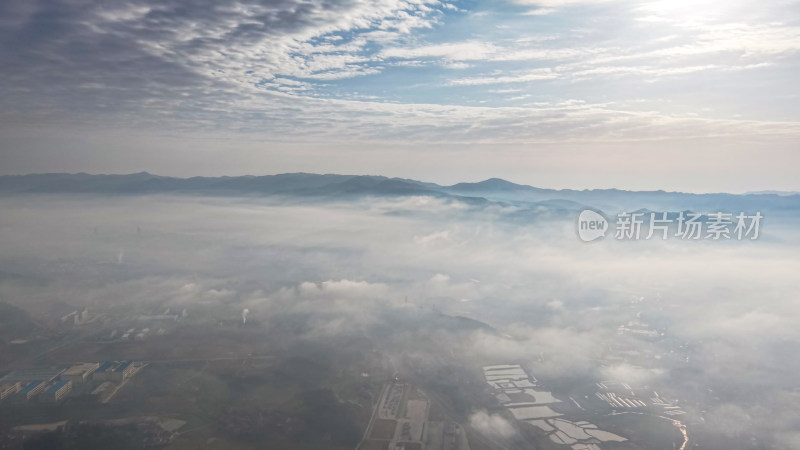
[{"x": 266, "y": 67}]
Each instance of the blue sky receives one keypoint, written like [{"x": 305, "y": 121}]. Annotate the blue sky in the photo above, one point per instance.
[{"x": 644, "y": 94}]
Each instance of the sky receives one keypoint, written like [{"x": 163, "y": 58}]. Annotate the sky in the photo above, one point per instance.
[{"x": 637, "y": 94}]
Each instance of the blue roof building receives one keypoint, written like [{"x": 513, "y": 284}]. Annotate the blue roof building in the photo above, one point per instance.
[
  {"x": 54, "y": 388},
  {"x": 105, "y": 366},
  {"x": 31, "y": 387},
  {"x": 124, "y": 365}
]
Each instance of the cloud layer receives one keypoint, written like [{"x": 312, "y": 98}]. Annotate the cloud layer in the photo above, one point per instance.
[{"x": 379, "y": 269}]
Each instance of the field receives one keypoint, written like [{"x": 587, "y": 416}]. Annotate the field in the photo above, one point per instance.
[{"x": 383, "y": 429}]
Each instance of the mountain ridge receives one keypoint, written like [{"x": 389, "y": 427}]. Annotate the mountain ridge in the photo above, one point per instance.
[
  {"x": 303, "y": 184},
  {"x": 493, "y": 183}
]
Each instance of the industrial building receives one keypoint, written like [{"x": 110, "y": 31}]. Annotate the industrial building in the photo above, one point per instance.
[
  {"x": 114, "y": 371},
  {"x": 123, "y": 370},
  {"x": 103, "y": 372},
  {"x": 102, "y": 379},
  {"x": 8, "y": 389},
  {"x": 80, "y": 373},
  {"x": 32, "y": 390},
  {"x": 57, "y": 391}
]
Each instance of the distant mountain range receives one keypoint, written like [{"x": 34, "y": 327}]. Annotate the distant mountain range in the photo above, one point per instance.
[
  {"x": 781, "y": 193},
  {"x": 351, "y": 186}
]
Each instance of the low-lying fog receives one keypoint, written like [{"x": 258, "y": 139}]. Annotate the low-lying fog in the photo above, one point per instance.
[{"x": 729, "y": 310}]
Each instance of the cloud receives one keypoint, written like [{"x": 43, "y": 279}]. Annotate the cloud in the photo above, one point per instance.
[
  {"x": 461, "y": 51},
  {"x": 239, "y": 75},
  {"x": 347, "y": 270},
  {"x": 189, "y": 51},
  {"x": 533, "y": 75},
  {"x": 440, "y": 278},
  {"x": 630, "y": 374},
  {"x": 557, "y": 3},
  {"x": 520, "y": 50},
  {"x": 491, "y": 424},
  {"x": 432, "y": 238},
  {"x": 342, "y": 288},
  {"x": 539, "y": 12},
  {"x": 206, "y": 62}
]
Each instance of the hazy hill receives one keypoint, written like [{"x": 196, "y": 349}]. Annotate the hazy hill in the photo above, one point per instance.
[{"x": 347, "y": 186}]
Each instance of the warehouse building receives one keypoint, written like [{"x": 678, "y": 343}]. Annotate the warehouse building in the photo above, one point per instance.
[
  {"x": 57, "y": 391},
  {"x": 8, "y": 389},
  {"x": 122, "y": 371},
  {"x": 103, "y": 372},
  {"x": 80, "y": 373},
  {"x": 32, "y": 390}
]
